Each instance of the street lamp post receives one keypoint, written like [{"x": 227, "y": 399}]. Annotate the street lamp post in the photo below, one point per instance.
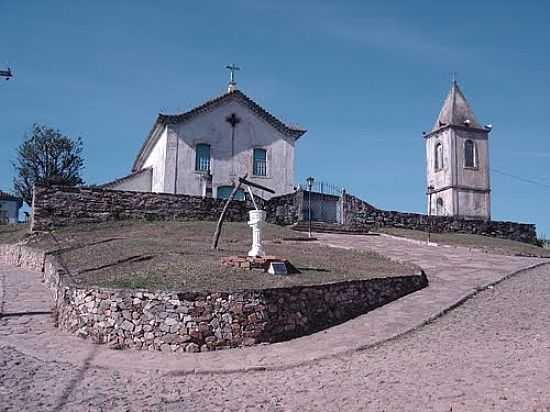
[
  {"x": 309, "y": 181},
  {"x": 430, "y": 191}
]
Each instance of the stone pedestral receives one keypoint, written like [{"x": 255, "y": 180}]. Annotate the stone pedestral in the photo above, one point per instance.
[{"x": 256, "y": 222}]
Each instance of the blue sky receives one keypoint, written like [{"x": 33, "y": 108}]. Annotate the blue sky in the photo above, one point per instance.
[{"x": 365, "y": 79}]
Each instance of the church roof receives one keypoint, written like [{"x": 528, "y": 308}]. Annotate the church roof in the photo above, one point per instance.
[
  {"x": 163, "y": 119},
  {"x": 456, "y": 111},
  {"x": 115, "y": 182}
]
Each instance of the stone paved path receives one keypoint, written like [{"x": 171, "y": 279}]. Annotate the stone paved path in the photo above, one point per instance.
[
  {"x": 22, "y": 291},
  {"x": 490, "y": 354},
  {"x": 454, "y": 274}
]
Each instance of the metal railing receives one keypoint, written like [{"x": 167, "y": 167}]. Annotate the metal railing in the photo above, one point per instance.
[{"x": 324, "y": 188}]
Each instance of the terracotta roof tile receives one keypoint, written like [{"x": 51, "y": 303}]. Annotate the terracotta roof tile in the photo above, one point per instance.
[
  {"x": 165, "y": 118},
  {"x": 286, "y": 129},
  {"x": 456, "y": 111},
  {"x": 124, "y": 178}
]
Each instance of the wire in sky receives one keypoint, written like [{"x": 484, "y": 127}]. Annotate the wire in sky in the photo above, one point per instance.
[{"x": 522, "y": 179}]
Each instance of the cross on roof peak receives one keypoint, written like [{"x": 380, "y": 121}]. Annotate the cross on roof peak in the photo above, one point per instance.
[
  {"x": 453, "y": 78},
  {"x": 232, "y": 83}
]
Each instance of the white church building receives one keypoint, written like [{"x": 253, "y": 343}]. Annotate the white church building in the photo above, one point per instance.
[
  {"x": 203, "y": 151},
  {"x": 457, "y": 154}
]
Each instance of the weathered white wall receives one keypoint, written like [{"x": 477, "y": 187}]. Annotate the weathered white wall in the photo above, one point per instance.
[
  {"x": 213, "y": 129},
  {"x": 138, "y": 183},
  {"x": 478, "y": 177},
  {"x": 473, "y": 204},
  {"x": 157, "y": 161},
  {"x": 448, "y": 203},
  {"x": 465, "y": 191},
  {"x": 439, "y": 178},
  {"x": 12, "y": 209}
]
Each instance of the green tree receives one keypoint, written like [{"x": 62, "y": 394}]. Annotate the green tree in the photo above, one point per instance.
[{"x": 46, "y": 158}]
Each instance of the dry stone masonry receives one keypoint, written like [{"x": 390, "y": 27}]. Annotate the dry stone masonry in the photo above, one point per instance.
[
  {"x": 59, "y": 206},
  {"x": 184, "y": 321},
  {"x": 260, "y": 263},
  {"x": 359, "y": 214},
  {"x": 63, "y": 206}
]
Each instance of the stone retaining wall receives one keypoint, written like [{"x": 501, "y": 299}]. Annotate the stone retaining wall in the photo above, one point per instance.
[
  {"x": 285, "y": 209},
  {"x": 203, "y": 321},
  {"x": 59, "y": 206},
  {"x": 359, "y": 214},
  {"x": 63, "y": 206}
]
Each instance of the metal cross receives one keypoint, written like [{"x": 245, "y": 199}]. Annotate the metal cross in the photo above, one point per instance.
[
  {"x": 233, "y": 120},
  {"x": 232, "y": 68}
]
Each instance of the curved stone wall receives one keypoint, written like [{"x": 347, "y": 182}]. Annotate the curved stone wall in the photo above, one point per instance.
[{"x": 203, "y": 321}]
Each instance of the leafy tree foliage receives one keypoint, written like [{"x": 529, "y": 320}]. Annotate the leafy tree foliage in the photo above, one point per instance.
[{"x": 46, "y": 158}]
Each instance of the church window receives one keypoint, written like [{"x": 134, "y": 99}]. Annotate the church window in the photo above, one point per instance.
[
  {"x": 223, "y": 192},
  {"x": 438, "y": 158},
  {"x": 202, "y": 160},
  {"x": 439, "y": 206},
  {"x": 469, "y": 154},
  {"x": 259, "y": 167}
]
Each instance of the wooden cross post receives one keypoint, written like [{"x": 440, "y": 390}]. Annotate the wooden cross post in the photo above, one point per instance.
[
  {"x": 242, "y": 180},
  {"x": 224, "y": 211}
]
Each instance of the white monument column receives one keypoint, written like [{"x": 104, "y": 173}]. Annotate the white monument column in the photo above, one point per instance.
[{"x": 256, "y": 222}]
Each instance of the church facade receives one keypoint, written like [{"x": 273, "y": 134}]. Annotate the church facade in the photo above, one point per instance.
[
  {"x": 204, "y": 151},
  {"x": 457, "y": 153}
]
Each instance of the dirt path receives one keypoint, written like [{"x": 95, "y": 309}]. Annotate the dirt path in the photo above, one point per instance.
[
  {"x": 454, "y": 274},
  {"x": 492, "y": 353}
]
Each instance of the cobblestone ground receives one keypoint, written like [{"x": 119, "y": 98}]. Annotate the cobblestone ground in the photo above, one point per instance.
[{"x": 491, "y": 353}]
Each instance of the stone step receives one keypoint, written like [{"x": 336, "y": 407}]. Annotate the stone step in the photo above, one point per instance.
[{"x": 324, "y": 227}]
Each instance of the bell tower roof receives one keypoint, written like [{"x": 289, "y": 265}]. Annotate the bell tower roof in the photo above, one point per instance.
[{"x": 456, "y": 111}]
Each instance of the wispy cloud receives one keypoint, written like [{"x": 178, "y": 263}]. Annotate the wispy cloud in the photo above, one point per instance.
[
  {"x": 378, "y": 31},
  {"x": 394, "y": 36}
]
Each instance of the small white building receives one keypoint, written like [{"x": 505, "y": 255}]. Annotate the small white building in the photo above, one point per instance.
[
  {"x": 204, "y": 150},
  {"x": 457, "y": 153},
  {"x": 9, "y": 208}
]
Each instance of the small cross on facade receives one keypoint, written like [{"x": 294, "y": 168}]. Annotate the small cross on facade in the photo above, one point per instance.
[{"x": 233, "y": 120}]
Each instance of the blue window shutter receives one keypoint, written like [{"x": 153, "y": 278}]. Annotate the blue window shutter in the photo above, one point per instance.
[
  {"x": 259, "y": 167},
  {"x": 202, "y": 162},
  {"x": 223, "y": 192}
]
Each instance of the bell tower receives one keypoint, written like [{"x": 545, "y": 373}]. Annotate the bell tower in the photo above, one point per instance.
[{"x": 457, "y": 161}]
